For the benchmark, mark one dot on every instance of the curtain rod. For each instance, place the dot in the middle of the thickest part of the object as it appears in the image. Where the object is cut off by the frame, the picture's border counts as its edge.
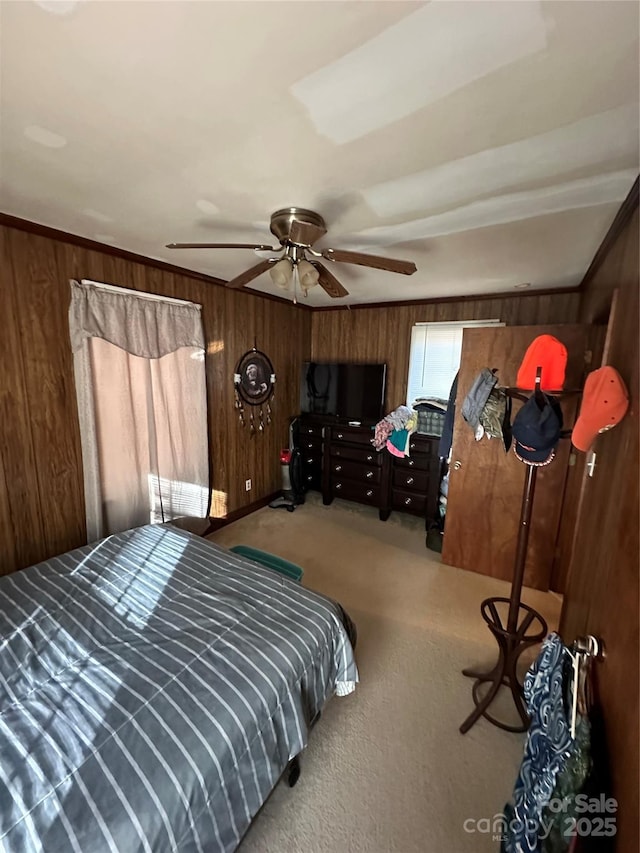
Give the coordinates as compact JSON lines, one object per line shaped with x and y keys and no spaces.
{"x":141,"y":293}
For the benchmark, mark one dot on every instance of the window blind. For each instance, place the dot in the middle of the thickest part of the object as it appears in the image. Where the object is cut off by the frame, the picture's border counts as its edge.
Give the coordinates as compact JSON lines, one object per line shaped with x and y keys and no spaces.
{"x":434,"y":357}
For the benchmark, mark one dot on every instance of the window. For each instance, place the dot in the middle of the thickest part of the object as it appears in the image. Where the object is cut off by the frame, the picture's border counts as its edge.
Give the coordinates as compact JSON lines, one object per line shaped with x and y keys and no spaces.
{"x":142,"y":404}
{"x":434,"y":357}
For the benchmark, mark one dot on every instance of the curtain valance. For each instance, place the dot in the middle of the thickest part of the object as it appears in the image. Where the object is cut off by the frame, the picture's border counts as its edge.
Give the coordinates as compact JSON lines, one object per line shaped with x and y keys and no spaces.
{"x":142,"y":326}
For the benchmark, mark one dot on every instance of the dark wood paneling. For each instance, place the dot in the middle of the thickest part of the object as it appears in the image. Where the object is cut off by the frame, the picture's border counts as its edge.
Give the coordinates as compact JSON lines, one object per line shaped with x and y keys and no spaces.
{"x":602,"y":591}
{"x":384,"y":334}
{"x":573,"y":484}
{"x":25,"y":543}
{"x":42,"y":502}
{"x":103,"y":250}
{"x":616,"y":271}
{"x":618,"y":227}
{"x":48,"y":378}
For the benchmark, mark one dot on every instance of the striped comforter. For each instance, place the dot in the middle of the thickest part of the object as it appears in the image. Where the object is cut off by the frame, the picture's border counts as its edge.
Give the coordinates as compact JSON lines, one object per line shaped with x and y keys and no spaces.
{"x":153,"y":688}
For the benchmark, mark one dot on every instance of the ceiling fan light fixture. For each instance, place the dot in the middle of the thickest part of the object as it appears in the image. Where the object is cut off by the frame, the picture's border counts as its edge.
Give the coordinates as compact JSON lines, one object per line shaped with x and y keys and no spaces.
{"x":281,"y":273}
{"x":297,"y":231}
{"x":308,"y":275}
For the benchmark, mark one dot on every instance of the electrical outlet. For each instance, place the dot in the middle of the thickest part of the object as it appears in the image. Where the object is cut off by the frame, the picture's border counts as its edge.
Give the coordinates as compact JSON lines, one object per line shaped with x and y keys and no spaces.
{"x":247,"y":485}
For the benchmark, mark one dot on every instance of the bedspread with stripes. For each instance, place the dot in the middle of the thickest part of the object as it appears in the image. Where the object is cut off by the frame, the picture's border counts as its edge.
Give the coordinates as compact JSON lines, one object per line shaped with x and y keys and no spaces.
{"x":153,"y":687}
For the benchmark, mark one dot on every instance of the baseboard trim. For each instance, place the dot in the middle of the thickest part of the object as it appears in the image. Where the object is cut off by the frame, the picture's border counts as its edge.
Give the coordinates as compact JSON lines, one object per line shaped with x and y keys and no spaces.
{"x":218,"y":523}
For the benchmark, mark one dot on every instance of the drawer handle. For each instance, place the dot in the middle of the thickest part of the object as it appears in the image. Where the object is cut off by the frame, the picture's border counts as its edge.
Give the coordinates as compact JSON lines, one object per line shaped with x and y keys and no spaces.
{"x":407,"y":501}
{"x":369,"y":474}
{"x":369,"y":492}
{"x":340,"y":435}
{"x":411,"y":463}
{"x":338,"y":485}
{"x":369,"y":458}
{"x":309,"y":446}
{"x":338,"y":468}
{"x":310,"y":460}
{"x":310,"y":430}
{"x":409,"y":481}
{"x":309,"y":477}
{"x":412,"y":445}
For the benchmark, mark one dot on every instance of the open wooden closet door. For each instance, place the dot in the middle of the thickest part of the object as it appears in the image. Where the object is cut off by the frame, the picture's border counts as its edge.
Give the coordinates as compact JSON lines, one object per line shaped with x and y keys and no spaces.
{"x":485,"y":483}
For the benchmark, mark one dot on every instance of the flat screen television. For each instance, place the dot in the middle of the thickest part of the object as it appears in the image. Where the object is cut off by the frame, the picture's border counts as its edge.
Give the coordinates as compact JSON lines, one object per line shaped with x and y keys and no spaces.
{"x":351,"y":392}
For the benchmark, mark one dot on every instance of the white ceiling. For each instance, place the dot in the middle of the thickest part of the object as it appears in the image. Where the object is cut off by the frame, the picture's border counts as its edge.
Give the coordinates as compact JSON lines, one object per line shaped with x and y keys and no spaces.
{"x":490,"y":142}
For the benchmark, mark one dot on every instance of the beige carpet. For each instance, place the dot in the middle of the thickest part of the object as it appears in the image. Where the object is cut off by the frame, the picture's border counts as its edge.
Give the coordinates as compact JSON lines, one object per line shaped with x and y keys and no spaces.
{"x":386,"y":768}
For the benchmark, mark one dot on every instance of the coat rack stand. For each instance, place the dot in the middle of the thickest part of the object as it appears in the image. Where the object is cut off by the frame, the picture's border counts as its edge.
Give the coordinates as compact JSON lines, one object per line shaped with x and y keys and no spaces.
{"x":524,"y":626}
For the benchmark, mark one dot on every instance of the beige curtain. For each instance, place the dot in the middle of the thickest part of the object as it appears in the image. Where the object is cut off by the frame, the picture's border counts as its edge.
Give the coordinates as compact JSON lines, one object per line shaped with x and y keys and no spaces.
{"x":140,"y":383}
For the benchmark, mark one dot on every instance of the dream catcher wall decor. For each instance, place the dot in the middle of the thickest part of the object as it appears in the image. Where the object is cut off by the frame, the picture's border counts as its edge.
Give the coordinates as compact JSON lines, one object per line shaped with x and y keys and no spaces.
{"x":254,"y":382}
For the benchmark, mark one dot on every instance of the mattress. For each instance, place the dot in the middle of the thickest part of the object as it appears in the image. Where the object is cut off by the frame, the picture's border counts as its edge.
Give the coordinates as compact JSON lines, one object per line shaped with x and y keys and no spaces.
{"x":153,"y":688}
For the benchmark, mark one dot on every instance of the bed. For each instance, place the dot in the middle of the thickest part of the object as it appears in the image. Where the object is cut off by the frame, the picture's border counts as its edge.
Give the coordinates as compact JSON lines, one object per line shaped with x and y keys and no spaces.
{"x":153,"y":689}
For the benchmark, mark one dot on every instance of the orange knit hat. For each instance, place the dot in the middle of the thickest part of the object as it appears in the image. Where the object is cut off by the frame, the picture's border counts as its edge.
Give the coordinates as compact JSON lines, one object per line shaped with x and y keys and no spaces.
{"x":550,"y":354}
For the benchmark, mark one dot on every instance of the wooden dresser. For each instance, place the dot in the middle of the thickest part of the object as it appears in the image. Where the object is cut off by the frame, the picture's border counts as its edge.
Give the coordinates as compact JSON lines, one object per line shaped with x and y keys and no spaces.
{"x":340,"y":461}
{"x":415,"y":480}
{"x":353,"y":470}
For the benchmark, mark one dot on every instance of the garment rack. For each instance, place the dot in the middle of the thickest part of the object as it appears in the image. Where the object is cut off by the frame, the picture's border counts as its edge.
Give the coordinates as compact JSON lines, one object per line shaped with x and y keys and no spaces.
{"x":524,"y":626}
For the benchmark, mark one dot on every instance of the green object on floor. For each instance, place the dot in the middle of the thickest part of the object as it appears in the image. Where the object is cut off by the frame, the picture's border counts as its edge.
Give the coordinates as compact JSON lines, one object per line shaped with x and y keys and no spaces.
{"x":271,"y":561}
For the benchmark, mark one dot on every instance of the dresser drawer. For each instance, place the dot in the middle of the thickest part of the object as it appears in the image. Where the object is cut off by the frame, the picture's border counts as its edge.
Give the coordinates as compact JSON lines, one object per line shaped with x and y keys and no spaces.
{"x":310,"y":445}
{"x":408,"y":501}
{"x":422,"y":445}
{"x":313,"y":479}
{"x":353,"y":491}
{"x":418,"y":461}
{"x":341,"y":468}
{"x":311,"y":457}
{"x":357,"y":454}
{"x":310,"y":429}
{"x":352,"y":435}
{"x":416,"y":480}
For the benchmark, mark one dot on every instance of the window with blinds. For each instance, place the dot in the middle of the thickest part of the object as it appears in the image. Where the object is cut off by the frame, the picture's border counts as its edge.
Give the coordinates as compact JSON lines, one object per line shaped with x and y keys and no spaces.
{"x":434,"y":357}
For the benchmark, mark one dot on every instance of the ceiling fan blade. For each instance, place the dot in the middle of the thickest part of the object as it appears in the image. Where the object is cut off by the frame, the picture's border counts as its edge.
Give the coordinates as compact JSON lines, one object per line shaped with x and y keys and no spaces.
{"x":305,"y":233}
{"x":375,"y":261}
{"x":259,"y":246}
{"x":253,"y":272}
{"x":329,"y":282}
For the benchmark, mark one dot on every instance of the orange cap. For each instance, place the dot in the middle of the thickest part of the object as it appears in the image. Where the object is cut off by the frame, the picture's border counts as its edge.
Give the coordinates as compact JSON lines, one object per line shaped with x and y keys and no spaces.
{"x":550,"y":354}
{"x":605,"y":401}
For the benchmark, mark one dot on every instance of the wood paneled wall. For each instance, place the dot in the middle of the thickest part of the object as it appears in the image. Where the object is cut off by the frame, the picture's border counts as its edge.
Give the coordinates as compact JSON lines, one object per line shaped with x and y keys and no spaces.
{"x":384,"y":334}
{"x":41,"y":492}
{"x":602,"y":593}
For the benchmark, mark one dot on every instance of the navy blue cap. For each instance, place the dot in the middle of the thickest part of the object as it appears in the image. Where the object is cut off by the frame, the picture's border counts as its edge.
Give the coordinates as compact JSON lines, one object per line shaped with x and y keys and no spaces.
{"x":536,"y":431}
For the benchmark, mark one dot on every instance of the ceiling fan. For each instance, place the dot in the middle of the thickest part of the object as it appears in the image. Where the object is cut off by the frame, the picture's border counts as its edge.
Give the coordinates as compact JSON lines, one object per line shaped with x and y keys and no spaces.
{"x":297,"y":230}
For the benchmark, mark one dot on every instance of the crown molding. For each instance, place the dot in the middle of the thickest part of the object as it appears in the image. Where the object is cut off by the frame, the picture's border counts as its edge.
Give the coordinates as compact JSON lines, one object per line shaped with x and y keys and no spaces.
{"x":504,"y":294}
{"x":623,"y":217}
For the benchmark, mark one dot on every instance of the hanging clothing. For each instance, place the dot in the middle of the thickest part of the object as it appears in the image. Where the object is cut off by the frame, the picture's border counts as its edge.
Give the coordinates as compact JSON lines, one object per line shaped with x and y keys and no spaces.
{"x":559,"y":826}
{"x":444,"y":447}
{"x":548,"y":748}
{"x":492,"y":415}
{"x":477,"y":397}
